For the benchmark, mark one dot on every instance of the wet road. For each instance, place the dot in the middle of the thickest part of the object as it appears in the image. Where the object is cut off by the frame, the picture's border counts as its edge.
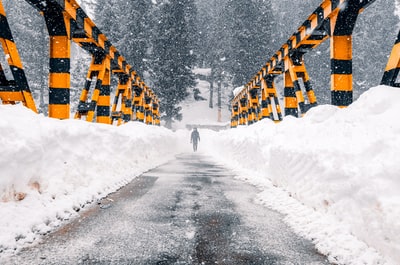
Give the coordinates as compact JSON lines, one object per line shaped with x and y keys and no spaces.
{"x":189,"y":211}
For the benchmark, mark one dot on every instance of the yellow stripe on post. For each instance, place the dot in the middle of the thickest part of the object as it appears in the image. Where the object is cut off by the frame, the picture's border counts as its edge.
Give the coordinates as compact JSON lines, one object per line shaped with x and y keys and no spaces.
{"x":341,"y":82}
{"x":341,"y":47}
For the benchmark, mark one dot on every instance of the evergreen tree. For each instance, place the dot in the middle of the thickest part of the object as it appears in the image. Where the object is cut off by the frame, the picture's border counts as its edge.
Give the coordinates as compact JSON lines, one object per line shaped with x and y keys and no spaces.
{"x":172,"y":58}
{"x":128,"y":26}
{"x":246,"y":38}
{"x":135,"y":42}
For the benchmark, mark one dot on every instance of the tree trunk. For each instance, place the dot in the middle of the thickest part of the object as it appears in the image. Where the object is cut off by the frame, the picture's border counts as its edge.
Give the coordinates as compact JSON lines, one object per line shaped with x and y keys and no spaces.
{"x":211,"y":80}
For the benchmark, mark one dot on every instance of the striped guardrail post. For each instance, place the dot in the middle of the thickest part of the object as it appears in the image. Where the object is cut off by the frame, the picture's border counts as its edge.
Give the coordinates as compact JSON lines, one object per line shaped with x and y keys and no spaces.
{"x":341,"y":54}
{"x":243,"y":113}
{"x":393,"y":66}
{"x":138,"y":100}
{"x":235,"y":115}
{"x":289,"y":66}
{"x":148,"y":112}
{"x":83,"y":105}
{"x":120,"y":99}
{"x":59,"y":28}
{"x":254,"y":104}
{"x":298,"y":70}
{"x":15,"y":90}
{"x":273,"y":96}
{"x":103,"y":103}
{"x":127,"y":102}
{"x":155,"y":110}
{"x":289,"y":93}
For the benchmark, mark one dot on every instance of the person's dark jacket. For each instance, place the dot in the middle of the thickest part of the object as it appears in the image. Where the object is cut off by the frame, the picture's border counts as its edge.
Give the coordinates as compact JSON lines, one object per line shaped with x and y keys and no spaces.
{"x":195,"y":137}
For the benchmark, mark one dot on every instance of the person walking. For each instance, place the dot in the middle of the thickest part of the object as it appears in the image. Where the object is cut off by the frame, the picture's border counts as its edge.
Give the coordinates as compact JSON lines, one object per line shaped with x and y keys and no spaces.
{"x":195,"y":138}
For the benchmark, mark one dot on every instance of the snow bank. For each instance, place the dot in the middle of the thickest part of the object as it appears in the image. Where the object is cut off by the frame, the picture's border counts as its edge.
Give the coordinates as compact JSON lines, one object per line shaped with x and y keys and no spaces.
{"x":335,"y":173}
{"x":51,"y":168}
{"x":202,"y":71}
{"x":343,"y":163}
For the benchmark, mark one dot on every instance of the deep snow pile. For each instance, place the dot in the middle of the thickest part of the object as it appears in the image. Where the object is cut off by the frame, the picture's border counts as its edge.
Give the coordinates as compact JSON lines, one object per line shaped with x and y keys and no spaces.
{"x":51,"y":168}
{"x":343,"y":163}
{"x":334,"y":173}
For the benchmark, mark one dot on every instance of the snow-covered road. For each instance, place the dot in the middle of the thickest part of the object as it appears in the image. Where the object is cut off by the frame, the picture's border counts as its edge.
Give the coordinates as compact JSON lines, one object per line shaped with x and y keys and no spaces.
{"x":188,"y":211}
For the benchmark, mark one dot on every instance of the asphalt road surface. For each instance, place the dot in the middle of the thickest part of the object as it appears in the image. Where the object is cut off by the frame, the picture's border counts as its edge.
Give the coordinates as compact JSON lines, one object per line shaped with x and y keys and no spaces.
{"x":188,"y":211}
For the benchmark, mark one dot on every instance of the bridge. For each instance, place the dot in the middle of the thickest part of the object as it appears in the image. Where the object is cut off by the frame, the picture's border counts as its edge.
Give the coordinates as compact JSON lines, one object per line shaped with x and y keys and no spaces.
{"x":66,"y":21}
{"x":134,"y":100}
{"x":333,"y":20}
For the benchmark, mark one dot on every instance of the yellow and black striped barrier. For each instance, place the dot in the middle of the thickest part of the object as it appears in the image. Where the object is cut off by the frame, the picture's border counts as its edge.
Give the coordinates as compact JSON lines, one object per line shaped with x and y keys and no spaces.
{"x":16,"y":90}
{"x":393,"y":66}
{"x":66,"y":21}
{"x":334,"y":20}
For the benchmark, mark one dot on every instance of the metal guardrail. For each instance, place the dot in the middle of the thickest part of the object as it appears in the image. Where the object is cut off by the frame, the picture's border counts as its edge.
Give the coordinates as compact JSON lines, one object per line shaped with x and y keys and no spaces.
{"x":334,"y":20}
{"x":66,"y":21}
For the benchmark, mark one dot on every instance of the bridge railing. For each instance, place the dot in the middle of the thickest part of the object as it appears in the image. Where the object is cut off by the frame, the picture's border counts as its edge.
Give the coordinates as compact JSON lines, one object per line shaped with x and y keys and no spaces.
{"x":66,"y":21}
{"x":334,"y":20}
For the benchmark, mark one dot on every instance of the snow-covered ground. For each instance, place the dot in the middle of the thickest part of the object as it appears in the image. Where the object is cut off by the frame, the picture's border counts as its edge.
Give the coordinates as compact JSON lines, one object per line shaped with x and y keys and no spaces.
{"x":49,"y":169}
{"x":335,"y":173}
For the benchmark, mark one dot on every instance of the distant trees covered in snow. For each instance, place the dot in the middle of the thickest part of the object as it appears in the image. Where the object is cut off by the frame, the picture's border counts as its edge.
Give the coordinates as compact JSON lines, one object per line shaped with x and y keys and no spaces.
{"x":235,"y":37}
{"x":127,"y":24}
{"x":173,"y":55}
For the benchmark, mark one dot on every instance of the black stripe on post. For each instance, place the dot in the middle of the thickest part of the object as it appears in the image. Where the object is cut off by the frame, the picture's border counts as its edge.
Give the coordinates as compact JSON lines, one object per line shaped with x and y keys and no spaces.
{"x":107,"y":47}
{"x":290,"y":44}
{"x":116,"y":98}
{"x":87,"y":84}
{"x":20,"y":78}
{"x":347,"y":19}
{"x":264,"y":103}
{"x":95,"y":33}
{"x":296,"y":85}
{"x":92,"y":105}
{"x":80,"y":13}
{"x":341,"y":66}
{"x":292,"y":112}
{"x":98,"y":84}
{"x":104,"y":90}
{"x":298,"y":37}
{"x":307,"y":24}
{"x":9,"y":88}
{"x":55,"y":21}
{"x":289,"y":92}
{"x":58,"y":96}
{"x":334,"y":4}
{"x":342,"y":98}
{"x":389,"y":77}
{"x":61,"y":3}
{"x":59,"y":65}
{"x":320,"y":14}
{"x":103,"y":111}
{"x":398,"y":39}
{"x":5,"y":31}
{"x":307,"y":85}
{"x":126,"y":117}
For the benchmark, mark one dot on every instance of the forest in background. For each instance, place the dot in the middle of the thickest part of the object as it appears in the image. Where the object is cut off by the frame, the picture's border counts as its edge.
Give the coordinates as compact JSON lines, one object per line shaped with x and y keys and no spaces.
{"x":164,"y":40}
